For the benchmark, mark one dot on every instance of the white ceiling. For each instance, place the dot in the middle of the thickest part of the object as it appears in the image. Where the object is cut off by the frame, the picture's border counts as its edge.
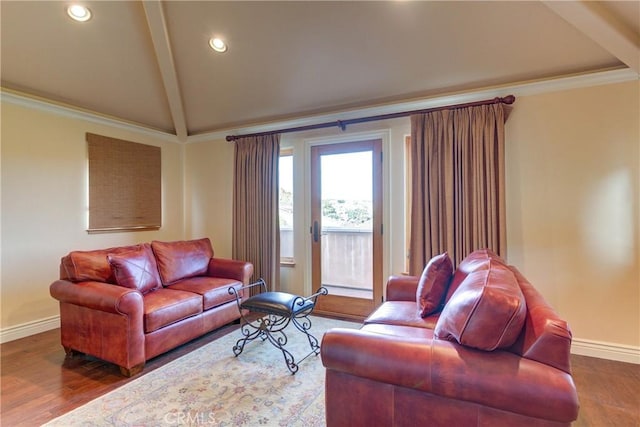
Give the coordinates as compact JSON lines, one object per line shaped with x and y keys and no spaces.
{"x":149,"y":62}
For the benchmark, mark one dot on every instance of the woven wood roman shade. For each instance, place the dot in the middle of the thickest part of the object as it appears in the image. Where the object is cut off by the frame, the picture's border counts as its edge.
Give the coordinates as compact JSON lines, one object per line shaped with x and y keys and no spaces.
{"x":124,"y":185}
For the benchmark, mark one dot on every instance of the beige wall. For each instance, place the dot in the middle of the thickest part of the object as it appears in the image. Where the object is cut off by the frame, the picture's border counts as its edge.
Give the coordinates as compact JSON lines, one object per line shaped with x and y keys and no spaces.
{"x":44,"y":204}
{"x":573,"y":195}
{"x":209,"y":193}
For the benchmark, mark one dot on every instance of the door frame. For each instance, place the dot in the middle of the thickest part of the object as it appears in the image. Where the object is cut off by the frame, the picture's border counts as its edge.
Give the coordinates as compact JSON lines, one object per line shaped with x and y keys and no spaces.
{"x":381,"y":239}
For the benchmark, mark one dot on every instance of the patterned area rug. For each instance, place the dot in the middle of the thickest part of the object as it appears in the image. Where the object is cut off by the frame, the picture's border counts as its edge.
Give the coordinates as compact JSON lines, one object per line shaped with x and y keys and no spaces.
{"x":210,"y":386}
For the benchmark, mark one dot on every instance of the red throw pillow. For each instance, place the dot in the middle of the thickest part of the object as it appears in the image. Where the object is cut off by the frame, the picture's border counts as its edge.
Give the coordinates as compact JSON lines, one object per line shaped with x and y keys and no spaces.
{"x":433,"y":283}
{"x":486,"y":312}
{"x":136,"y":269}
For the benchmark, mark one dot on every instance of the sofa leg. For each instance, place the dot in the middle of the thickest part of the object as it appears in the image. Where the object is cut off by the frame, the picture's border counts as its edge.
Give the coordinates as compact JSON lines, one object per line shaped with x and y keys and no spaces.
{"x":134,"y":370}
{"x":71,"y":352}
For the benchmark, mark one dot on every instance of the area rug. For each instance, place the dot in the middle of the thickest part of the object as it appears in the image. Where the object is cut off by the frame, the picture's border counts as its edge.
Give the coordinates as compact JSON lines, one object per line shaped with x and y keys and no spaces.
{"x":210,"y":386}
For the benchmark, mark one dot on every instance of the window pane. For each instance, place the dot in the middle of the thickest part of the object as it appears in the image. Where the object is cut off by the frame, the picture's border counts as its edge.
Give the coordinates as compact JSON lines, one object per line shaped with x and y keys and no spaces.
{"x":286,"y":206}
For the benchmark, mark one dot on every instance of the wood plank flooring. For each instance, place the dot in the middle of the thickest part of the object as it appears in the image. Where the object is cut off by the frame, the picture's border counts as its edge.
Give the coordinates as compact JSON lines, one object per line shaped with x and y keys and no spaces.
{"x":609,"y":392}
{"x":38,"y":383}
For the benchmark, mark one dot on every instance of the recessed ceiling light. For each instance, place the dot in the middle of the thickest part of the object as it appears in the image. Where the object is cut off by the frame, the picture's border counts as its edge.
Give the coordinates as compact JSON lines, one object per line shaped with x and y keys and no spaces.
{"x":218,"y":45}
{"x":79,"y":13}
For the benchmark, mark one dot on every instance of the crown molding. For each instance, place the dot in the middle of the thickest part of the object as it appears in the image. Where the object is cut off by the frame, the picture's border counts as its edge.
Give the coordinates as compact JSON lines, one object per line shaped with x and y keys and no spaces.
{"x":518,"y":89}
{"x":69,"y":111}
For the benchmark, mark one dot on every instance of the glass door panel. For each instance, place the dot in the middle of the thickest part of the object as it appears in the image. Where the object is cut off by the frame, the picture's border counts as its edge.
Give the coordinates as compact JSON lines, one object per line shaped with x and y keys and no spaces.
{"x":346,"y":250}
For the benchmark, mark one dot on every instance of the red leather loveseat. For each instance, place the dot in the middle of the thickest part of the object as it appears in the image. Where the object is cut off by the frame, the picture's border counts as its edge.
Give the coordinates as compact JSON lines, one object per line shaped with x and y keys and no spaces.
{"x":129,"y":304}
{"x":489,"y":351}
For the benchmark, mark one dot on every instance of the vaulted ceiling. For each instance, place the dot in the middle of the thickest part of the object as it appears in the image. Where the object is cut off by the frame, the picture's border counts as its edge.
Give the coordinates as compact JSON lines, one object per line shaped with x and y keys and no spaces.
{"x":150,"y":63}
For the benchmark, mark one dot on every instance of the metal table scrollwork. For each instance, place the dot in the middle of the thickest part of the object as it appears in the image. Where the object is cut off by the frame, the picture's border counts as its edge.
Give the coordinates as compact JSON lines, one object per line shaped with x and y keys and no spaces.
{"x":278,"y":309}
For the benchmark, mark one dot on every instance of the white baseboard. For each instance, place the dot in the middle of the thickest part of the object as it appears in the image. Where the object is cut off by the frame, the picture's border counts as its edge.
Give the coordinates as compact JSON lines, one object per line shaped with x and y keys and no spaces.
{"x":30,"y":328}
{"x":606,"y":350}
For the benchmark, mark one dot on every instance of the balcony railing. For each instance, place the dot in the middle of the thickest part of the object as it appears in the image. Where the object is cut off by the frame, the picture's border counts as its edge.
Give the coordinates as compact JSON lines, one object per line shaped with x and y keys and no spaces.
{"x":346,"y":256}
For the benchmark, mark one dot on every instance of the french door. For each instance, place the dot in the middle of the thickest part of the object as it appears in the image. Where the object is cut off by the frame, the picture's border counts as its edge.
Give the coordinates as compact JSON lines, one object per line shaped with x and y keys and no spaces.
{"x":346,"y":226}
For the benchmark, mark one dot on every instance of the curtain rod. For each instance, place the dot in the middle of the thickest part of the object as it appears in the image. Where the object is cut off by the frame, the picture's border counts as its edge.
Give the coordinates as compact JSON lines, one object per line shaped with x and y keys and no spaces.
{"x":342,"y":124}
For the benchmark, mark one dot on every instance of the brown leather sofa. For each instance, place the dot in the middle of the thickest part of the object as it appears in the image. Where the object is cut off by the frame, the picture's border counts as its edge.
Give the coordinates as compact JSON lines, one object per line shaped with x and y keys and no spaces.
{"x":491,"y":352}
{"x":128,"y":304}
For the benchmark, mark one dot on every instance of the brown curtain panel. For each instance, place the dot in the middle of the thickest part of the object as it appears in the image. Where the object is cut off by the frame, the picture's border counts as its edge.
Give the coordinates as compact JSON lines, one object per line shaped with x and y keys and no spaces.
{"x":256,"y":229}
{"x":458,"y":184}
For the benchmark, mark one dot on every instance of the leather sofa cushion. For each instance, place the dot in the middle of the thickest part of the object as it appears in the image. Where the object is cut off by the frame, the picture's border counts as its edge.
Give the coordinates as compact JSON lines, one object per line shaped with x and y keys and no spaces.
{"x":476,"y":260}
{"x":85,"y":266}
{"x":486,"y":312}
{"x":214,"y":290}
{"x":163,"y":307}
{"x":136,"y":269}
{"x":399,"y":331}
{"x":182,"y":259}
{"x":433,"y":284}
{"x":401,"y":313}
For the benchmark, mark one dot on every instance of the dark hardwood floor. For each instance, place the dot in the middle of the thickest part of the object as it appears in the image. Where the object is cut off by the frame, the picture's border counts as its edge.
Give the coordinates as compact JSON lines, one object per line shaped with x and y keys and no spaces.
{"x":39,"y":383}
{"x":609,"y":392}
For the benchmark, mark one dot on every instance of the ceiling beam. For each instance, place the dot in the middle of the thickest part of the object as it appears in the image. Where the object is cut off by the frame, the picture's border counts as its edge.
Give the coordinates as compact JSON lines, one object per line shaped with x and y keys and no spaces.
{"x":162,"y":46}
{"x":595,"y":21}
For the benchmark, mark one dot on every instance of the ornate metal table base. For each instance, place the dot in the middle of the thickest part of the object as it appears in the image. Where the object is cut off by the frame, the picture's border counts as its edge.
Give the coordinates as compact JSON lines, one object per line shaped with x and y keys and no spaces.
{"x":279,"y":309}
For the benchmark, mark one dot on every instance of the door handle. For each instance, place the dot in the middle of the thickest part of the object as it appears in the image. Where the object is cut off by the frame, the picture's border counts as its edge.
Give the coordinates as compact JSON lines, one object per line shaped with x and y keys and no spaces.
{"x":315,"y":231}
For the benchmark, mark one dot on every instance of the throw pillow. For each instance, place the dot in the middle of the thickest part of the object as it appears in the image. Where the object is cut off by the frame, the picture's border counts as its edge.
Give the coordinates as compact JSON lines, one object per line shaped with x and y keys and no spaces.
{"x":182,"y":259}
{"x":487,"y":311}
{"x":136,"y":269}
{"x":433,"y":283}
{"x":476,"y":260}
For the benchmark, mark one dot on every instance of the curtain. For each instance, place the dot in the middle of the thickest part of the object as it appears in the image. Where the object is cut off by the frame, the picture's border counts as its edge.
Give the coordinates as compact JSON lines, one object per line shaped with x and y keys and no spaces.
{"x":457,"y":176}
{"x":256,"y":229}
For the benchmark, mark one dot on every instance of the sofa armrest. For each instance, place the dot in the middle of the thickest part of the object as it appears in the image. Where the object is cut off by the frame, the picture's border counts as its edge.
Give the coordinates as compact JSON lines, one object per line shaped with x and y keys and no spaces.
{"x":498,"y":379}
{"x":546,"y":337}
{"x":402,"y":288}
{"x":231,"y":269}
{"x":98,"y":296}
{"x":103,"y":320}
